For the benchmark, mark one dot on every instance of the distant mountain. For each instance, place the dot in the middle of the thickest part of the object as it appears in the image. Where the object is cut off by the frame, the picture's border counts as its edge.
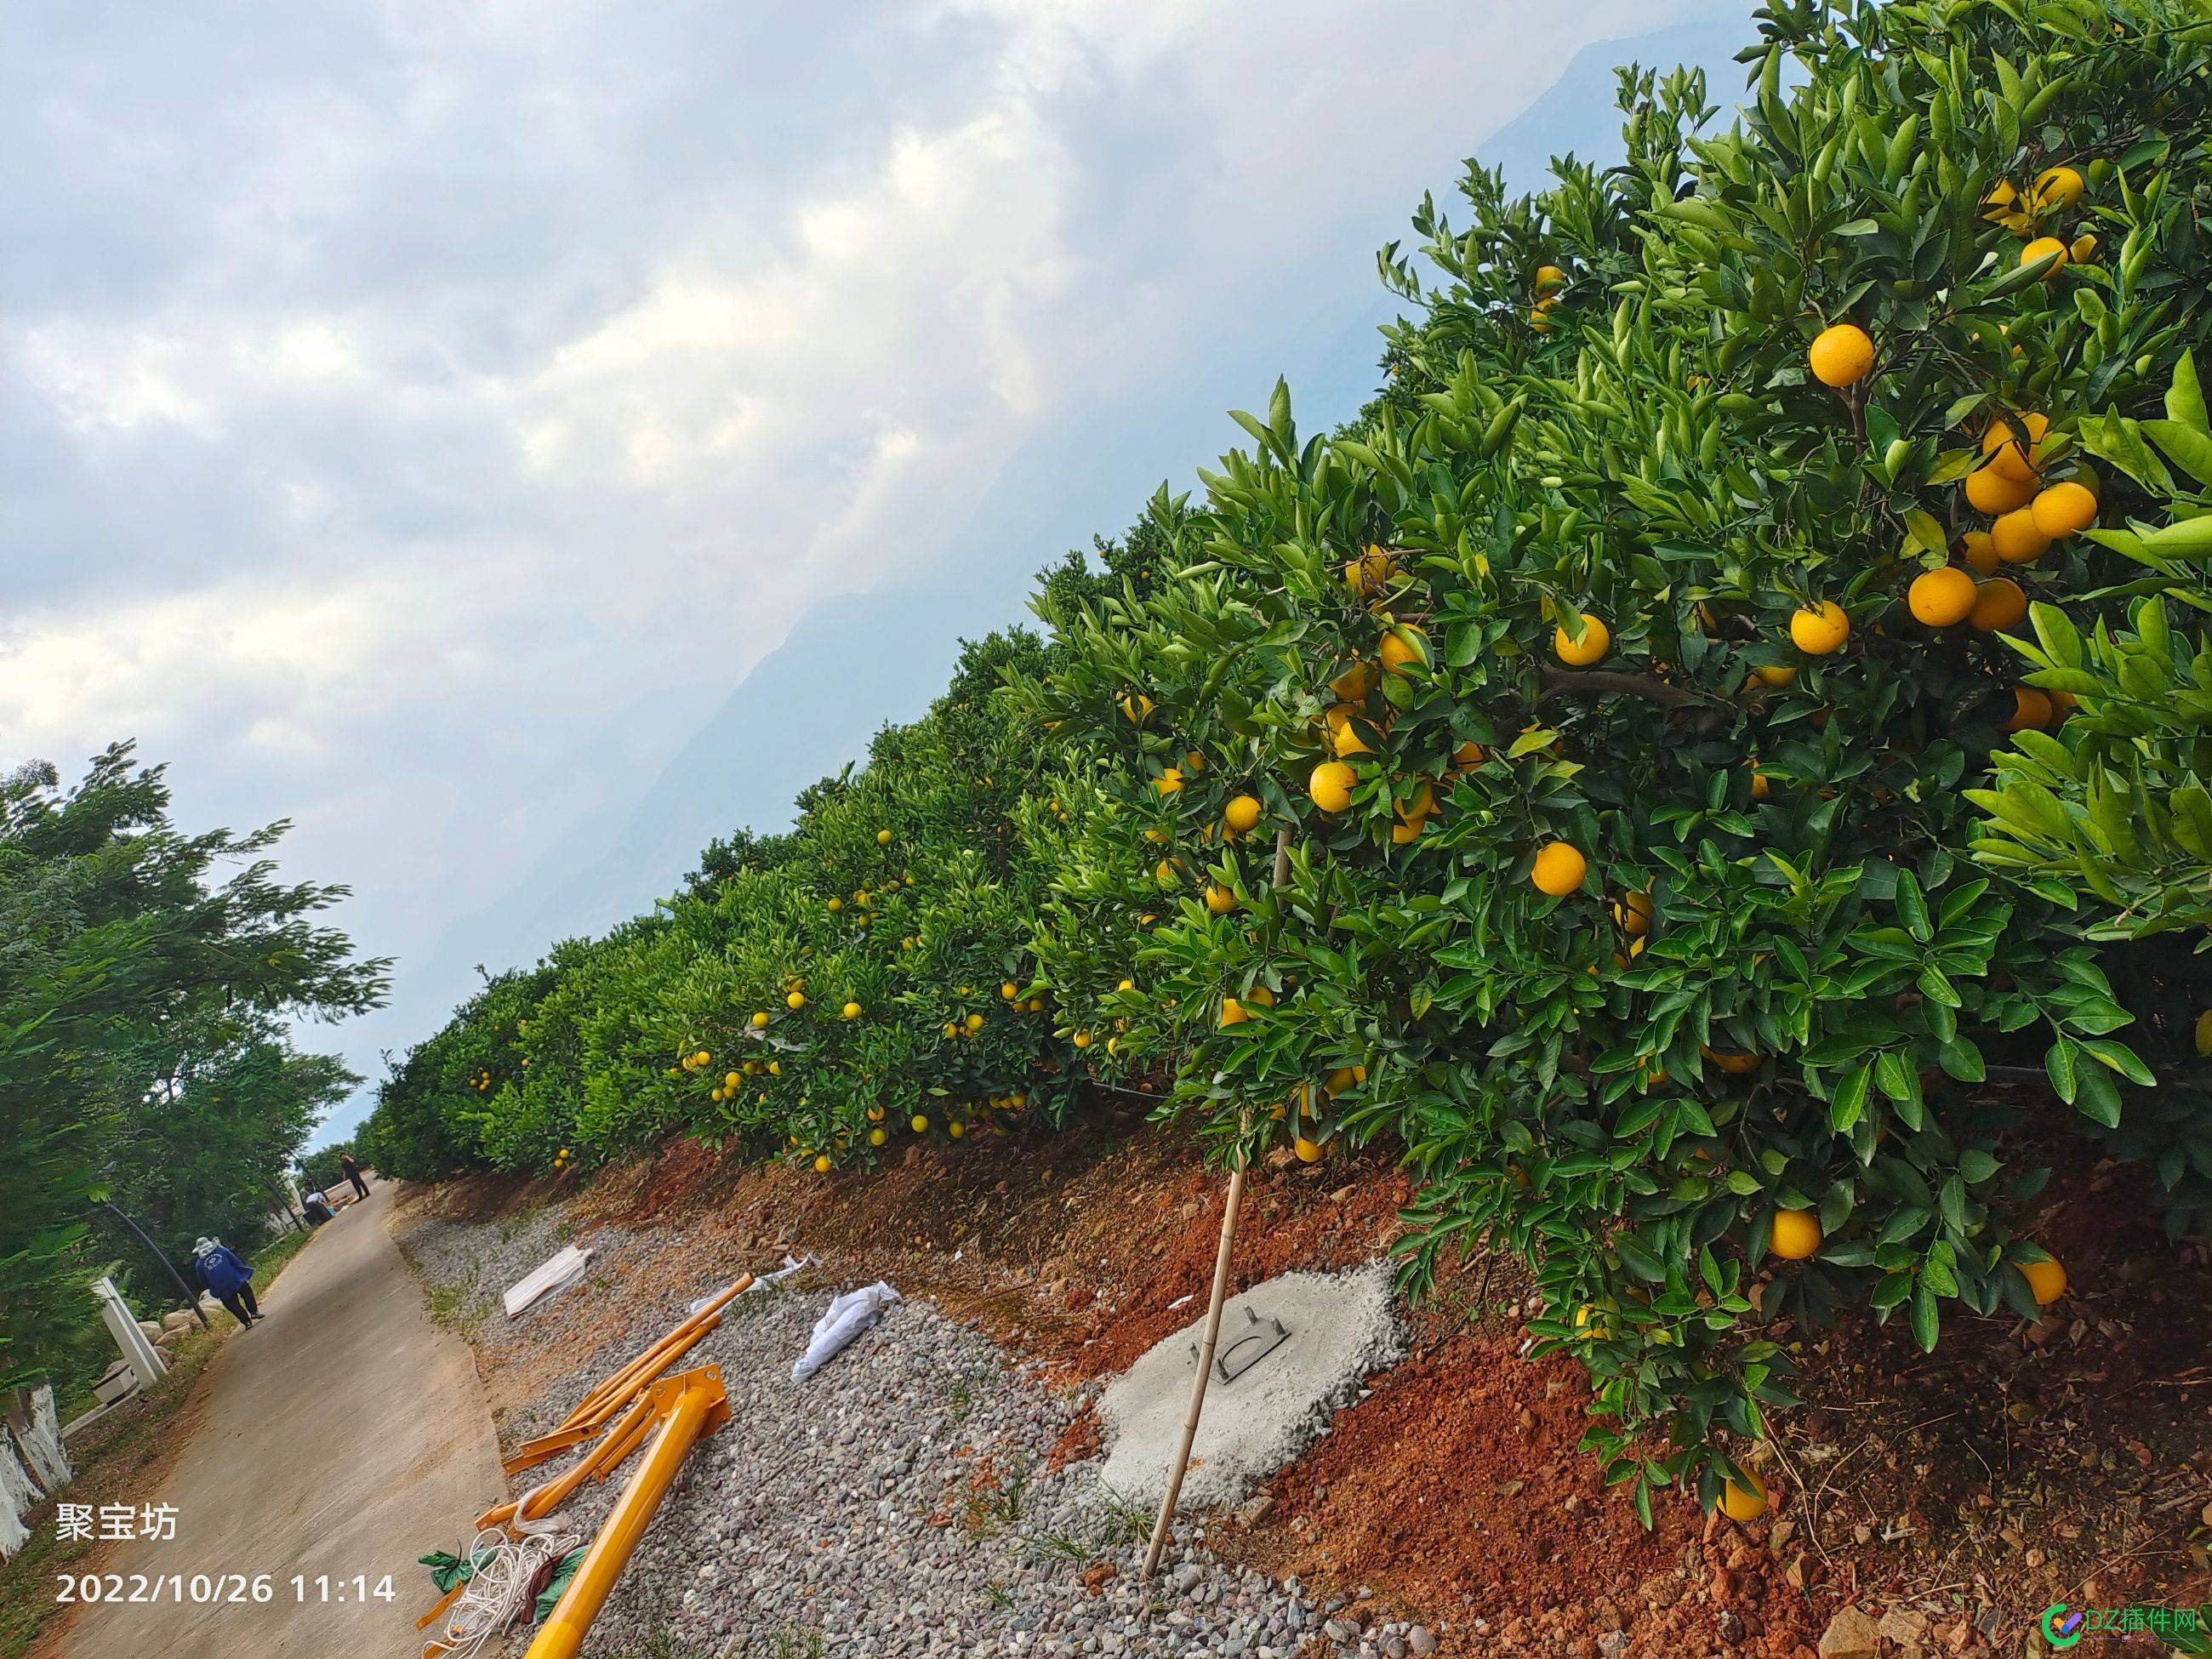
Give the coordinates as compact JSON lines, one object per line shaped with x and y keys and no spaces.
{"x":806,"y":708}
{"x":854,"y":662}
{"x":1578,"y":113}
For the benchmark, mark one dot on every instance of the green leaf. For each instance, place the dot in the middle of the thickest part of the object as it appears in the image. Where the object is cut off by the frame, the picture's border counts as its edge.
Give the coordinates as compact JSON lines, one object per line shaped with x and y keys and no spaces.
{"x":1959,"y":409}
{"x":1695,"y":210}
{"x":2020,"y":277}
{"x":1962,"y":1060}
{"x":1952,"y":465}
{"x":1639,"y":1261}
{"x":2058,"y":1063}
{"x":2186,"y":447}
{"x":2184,"y":398}
{"x":1894,"y":1073}
{"x":2121,"y":1058}
{"x":1936,"y":1272}
{"x":1951,"y":1201}
{"x":2099,"y":1099}
{"x":1849,"y":1098}
{"x":1938,"y":989}
{"x":1529,"y":742}
{"x":1925,"y":1323}
{"x":1923,"y":530}
{"x":2185,"y":538}
{"x":1912,"y":908}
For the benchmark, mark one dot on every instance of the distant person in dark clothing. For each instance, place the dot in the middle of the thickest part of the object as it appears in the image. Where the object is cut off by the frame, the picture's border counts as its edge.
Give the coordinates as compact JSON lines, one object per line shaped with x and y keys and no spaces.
{"x":353,"y":1174}
{"x":220,"y":1270}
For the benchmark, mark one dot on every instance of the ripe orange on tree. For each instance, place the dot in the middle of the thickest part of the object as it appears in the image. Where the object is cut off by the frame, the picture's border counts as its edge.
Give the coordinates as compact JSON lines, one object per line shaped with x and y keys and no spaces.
{"x":1841,"y":355}
{"x":1559,"y":869}
{"x":1796,"y":1234}
{"x":1999,"y":603}
{"x":2046,"y":1280}
{"x":2015,"y":455}
{"x":1597,"y":640}
{"x":2017,"y":537}
{"x":2032,"y":708}
{"x":2064,"y":509}
{"x":1330,"y":787}
{"x":1940,"y":598}
{"x":1820,"y":630}
{"x":2045,"y":247}
{"x":1744,"y":1503}
{"x":1403,"y":649}
{"x":1991,"y":489}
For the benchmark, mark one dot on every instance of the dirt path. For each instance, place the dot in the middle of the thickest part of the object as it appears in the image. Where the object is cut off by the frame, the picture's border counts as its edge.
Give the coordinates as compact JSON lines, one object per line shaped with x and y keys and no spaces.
{"x":346,"y":1435}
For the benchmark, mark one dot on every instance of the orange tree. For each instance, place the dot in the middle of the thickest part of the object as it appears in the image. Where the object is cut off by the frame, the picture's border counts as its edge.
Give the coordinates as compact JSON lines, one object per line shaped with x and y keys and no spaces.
{"x":2109,"y":815}
{"x":1620,"y":682}
{"x":822,"y":994}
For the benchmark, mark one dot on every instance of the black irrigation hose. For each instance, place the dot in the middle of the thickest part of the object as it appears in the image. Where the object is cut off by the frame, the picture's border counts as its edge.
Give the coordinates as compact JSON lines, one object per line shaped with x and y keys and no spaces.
{"x":191,"y":1297}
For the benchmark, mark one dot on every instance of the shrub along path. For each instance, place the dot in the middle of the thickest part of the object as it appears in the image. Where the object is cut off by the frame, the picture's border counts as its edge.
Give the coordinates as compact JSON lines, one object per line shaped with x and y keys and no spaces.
{"x":345,"y":1437}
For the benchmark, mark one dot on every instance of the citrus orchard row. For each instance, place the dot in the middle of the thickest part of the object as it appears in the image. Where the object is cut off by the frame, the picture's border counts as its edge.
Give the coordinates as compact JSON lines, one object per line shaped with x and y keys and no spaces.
{"x":1656,"y":768}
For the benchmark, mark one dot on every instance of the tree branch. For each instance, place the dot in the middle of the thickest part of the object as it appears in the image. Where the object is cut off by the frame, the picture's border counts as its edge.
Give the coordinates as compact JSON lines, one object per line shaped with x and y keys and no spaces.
{"x":1599,"y":681}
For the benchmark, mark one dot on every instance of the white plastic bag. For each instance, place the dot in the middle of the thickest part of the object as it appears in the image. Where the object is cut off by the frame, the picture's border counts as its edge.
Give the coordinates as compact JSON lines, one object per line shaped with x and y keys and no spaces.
{"x":844,"y":1319}
{"x":557,"y":1272}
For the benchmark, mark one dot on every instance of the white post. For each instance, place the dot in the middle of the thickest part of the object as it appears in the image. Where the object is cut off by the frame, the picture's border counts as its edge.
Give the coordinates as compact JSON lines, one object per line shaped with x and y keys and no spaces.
{"x":38,"y":1432}
{"x":32,"y":1461}
{"x":19,"y":1496}
{"x":145,"y":1364}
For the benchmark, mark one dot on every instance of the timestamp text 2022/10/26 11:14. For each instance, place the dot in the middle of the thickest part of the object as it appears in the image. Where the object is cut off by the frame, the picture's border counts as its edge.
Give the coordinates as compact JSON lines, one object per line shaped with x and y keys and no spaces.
{"x":204,"y":1588}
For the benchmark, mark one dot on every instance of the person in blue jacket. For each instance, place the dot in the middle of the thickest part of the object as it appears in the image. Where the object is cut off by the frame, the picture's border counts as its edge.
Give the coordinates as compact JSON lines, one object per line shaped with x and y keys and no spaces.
{"x":220,"y":1270}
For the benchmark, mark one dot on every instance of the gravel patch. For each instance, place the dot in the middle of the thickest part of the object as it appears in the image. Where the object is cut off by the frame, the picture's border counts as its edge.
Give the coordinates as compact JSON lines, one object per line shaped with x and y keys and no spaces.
{"x":467,"y":1267}
{"x":901,"y":1503}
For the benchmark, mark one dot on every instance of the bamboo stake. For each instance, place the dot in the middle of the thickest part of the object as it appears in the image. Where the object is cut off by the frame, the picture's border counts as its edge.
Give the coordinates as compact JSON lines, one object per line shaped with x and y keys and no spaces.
{"x":1205,"y":1369}
{"x":1220,"y":1294}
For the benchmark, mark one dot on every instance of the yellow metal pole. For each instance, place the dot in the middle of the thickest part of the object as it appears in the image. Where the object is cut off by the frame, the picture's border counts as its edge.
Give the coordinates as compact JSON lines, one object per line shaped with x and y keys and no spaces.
{"x":696,"y":1408}
{"x":638,"y":1375}
{"x":596,"y":1464}
{"x":626,"y":1380}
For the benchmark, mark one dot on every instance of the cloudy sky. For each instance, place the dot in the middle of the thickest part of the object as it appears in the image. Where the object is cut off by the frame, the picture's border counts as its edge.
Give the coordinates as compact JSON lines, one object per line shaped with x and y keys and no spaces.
{"x":416,"y":416}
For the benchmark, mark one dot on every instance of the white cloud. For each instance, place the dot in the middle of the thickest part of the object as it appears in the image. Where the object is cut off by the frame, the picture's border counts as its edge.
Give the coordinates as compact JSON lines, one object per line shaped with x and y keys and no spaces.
{"x":315,"y":351}
{"x":103,"y":381}
{"x":944,"y":259}
{"x":422,"y":390}
{"x":163,"y":667}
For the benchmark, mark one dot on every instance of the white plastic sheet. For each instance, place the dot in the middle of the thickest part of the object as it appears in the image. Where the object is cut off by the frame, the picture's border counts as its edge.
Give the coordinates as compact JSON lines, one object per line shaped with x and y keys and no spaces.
{"x":547,"y":1277}
{"x":843,"y":1321}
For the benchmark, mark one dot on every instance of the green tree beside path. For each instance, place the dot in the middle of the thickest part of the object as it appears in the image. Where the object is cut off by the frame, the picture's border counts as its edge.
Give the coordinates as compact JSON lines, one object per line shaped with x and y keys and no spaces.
{"x":146,"y":977}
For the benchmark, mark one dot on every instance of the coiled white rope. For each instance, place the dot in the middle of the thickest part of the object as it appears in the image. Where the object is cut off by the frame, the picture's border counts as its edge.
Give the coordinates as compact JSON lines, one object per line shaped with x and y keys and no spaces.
{"x":505,"y":1569}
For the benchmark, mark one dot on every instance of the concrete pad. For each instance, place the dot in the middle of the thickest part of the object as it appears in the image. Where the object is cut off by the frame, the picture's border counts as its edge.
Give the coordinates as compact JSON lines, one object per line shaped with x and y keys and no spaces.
{"x":1343,"y":1329}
